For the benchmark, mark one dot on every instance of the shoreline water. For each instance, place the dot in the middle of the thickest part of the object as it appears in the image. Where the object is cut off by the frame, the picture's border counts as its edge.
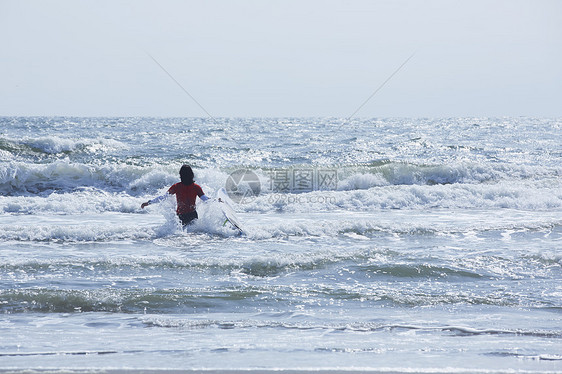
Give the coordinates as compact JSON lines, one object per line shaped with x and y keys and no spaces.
{"x":435,"y":250}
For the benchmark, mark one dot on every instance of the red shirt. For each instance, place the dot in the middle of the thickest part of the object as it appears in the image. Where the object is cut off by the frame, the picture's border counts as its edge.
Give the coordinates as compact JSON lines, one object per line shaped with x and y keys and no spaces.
{"x":185,"y":196}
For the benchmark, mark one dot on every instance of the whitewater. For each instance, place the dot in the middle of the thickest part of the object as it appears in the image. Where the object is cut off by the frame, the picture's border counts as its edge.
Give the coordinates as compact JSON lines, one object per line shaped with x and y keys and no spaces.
{"x":383,"y":245}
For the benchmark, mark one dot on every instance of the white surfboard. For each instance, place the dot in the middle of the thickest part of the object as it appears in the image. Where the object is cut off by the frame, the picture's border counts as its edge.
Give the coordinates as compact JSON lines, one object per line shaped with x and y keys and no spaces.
{"x":228,"y":211}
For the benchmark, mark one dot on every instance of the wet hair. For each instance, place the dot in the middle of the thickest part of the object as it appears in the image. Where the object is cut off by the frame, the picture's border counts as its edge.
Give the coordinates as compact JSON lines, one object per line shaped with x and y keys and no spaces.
{"x":186,"y":175}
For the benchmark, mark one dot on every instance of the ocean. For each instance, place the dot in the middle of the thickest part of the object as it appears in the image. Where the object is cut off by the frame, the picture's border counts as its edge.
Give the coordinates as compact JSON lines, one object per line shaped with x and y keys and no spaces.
{"x":382,"y":245}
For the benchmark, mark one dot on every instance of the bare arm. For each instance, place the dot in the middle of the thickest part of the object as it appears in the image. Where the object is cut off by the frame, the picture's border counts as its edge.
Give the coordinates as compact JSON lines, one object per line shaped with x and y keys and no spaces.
{"x":154,"y":201}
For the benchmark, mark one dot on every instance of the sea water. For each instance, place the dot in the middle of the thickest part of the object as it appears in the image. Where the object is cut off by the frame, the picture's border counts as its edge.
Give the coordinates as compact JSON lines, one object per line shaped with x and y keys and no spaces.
{"x":403,"y":245}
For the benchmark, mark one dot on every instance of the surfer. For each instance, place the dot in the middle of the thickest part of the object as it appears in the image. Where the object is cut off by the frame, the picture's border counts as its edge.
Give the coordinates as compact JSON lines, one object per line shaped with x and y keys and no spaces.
{"x":186,"y":192}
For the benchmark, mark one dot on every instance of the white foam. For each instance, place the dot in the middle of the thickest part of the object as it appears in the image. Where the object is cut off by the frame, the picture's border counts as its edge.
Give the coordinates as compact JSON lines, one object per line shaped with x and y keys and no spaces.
{"x":79,"y":231}
{"x":362,"y":181}
{"x":56,"y":144}
{"x":523,"y":195}
{"x":63,"y":175}
{"x":526,"y":195}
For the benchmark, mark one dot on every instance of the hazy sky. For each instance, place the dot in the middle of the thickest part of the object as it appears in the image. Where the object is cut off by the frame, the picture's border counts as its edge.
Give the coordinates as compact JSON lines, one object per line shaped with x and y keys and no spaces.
{"x":281,"y":58}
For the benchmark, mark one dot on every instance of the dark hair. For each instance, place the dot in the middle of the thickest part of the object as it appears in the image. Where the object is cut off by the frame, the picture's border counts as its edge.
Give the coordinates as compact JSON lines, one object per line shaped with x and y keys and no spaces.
{"x":186,"y":175}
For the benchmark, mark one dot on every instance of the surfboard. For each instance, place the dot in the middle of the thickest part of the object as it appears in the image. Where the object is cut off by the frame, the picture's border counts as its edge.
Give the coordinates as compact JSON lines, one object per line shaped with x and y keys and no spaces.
{"x":228,"y":211}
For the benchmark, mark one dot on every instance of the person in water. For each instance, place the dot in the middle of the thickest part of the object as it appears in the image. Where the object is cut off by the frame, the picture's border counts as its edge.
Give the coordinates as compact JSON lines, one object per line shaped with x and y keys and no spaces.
{"x":186,"y":193}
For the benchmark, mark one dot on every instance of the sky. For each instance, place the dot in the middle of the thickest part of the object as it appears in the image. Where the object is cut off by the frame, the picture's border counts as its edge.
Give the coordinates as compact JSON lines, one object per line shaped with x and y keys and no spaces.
{"x":273,"y":58}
